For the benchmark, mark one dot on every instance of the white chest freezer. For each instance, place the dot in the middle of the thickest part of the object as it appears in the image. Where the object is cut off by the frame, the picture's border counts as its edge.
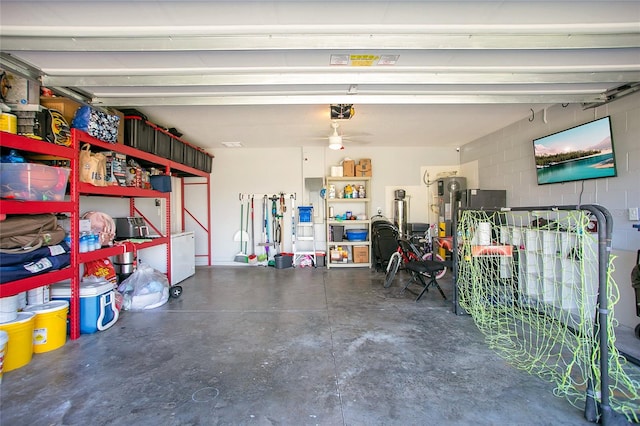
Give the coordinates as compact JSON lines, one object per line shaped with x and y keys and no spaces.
{"x":183,"y":257}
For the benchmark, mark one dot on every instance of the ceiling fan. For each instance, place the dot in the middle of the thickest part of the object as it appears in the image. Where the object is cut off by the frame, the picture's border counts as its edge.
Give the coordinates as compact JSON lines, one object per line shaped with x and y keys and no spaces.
{"x":336,"y":139}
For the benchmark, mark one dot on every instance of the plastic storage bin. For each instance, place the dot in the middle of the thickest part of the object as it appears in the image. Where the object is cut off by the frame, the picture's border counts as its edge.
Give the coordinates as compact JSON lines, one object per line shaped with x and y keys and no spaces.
{"x":357,"y":234}
{"x":283,"y":260}
{"x":33,"y":182}
{"x":304,"y":213}
{"x":139,"y":133}
{"x":162,"y":146}
{"x":204,"y":162}
{"x":177,"y":150}
{"x":97,"y":304}
{"x":161,"y":183}
{"x":189,"y":156}
{"x":337,"y":232}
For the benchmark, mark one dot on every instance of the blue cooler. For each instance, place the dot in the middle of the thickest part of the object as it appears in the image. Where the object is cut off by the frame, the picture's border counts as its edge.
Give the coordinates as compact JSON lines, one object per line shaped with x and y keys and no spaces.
{"x":97,"y":304}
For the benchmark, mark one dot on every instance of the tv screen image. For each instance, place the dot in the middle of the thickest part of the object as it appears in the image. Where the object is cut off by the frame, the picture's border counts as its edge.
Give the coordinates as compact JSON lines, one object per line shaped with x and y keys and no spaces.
{"x":579,"y":153}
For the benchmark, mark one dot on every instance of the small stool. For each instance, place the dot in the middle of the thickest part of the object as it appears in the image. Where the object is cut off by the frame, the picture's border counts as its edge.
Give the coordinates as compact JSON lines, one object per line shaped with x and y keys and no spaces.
{"x":424,"y":268}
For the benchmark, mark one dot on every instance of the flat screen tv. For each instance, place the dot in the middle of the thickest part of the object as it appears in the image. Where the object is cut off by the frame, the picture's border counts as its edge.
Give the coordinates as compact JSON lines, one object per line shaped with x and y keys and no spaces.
{"x":579,"y":153}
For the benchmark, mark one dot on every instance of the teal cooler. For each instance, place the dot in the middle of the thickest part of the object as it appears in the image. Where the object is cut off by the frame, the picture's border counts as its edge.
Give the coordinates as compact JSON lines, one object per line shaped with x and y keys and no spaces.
{"x":97,"y":304}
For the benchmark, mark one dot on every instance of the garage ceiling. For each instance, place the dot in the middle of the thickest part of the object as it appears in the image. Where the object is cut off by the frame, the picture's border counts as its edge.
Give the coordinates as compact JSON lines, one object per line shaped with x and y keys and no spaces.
{"x":264,"y":73}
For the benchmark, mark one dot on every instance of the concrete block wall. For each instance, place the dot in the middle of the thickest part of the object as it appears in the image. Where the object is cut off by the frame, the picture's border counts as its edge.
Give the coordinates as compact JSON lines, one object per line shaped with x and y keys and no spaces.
{"x":505,"y":160}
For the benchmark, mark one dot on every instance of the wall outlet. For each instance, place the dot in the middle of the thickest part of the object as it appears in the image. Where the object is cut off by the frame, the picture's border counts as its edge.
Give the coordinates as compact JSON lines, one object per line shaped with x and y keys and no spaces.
{"x":633,"y":213}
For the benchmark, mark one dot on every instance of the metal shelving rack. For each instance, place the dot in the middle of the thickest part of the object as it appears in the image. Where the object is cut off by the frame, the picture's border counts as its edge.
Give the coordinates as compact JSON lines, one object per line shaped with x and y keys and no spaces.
{"x":71,"y":206}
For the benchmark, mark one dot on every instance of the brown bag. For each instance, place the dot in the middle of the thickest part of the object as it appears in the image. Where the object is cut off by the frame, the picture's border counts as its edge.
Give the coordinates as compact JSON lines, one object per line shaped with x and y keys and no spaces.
{"x":93,"y":167}
{"x":24,"y":233}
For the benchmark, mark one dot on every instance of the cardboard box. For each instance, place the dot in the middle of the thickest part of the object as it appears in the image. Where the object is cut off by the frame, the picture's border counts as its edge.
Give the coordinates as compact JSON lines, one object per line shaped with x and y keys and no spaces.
{"x":365,"y":163}
{"x":66,"y":107}
{"x":360,"y":254}
{"x":22,"y":94}
{"x":362,"y":171}
{"x":116,"y":168}
{"x":349,"y":168}
{"x":120,"y":125}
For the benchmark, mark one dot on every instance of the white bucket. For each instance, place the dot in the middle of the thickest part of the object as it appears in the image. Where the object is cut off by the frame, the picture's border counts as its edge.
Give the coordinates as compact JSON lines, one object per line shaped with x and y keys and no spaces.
{"x":38,"y":296}
{"x":484,"y":234}
{"x":22,"y":300}
{"x":8,"y":308}
{"x":4,"y":338}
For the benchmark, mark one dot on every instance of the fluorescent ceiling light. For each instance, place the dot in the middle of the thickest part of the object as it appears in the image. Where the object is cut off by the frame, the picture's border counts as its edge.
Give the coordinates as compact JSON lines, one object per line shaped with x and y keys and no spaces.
{"x":232,"y":144}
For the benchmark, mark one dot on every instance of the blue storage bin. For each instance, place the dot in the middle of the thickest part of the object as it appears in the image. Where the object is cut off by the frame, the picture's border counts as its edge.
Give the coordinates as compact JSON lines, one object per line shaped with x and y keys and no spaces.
{"x":304,"y":213}
{"x":161,"y":183}
{"x":97,"y":304}
{"x":357,"y":234}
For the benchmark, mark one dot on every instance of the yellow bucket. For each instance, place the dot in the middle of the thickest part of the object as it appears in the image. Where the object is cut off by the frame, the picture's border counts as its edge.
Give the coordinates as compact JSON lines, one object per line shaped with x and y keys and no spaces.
{"x":50,"y":327}
{"x":4,"y":338}
{"x":20,"y":345}
{"x":8,"y":123}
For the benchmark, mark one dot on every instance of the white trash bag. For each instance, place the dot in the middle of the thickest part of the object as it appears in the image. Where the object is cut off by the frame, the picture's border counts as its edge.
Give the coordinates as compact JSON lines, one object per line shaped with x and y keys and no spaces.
{"x":145,"y":288}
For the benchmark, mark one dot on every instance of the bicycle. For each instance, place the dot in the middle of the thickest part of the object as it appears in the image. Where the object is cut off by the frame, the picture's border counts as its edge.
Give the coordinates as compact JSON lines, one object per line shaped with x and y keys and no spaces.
{"x":408,"y":251}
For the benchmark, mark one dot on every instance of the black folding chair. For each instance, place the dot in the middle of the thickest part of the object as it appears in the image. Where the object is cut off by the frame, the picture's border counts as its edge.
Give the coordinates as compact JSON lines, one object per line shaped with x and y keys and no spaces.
{"x":421,"y":269}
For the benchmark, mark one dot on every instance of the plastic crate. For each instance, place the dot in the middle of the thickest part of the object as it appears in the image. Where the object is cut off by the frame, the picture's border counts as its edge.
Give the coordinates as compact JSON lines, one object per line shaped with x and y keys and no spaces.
{"x":203,"y":161}
{"x":162,"y":147}
{"x":177,"y":150}
{"x":139,"y":134}
{"x":189,"y":156}
{"x":304,"y":213}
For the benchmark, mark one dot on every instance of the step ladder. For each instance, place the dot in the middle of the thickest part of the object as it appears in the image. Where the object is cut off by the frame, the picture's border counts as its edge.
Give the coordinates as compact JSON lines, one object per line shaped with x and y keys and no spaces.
{"x":305,"y":236}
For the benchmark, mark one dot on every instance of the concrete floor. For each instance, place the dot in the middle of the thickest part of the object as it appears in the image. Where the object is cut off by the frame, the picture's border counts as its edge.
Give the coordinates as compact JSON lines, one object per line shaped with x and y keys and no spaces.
{"x":264,"y":346}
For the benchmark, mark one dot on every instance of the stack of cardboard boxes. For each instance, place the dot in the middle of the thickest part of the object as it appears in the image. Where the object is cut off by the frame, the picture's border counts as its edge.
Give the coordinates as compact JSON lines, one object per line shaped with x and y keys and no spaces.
{"x":362,"y":169}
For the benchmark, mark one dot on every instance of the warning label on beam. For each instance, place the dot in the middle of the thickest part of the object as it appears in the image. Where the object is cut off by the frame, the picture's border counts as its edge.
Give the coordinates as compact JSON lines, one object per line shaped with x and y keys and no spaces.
{"x":363,"y":60}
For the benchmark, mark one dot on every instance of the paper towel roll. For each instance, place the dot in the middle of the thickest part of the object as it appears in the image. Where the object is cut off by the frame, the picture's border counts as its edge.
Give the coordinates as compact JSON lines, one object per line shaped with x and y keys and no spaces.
{"x":484,"y":233}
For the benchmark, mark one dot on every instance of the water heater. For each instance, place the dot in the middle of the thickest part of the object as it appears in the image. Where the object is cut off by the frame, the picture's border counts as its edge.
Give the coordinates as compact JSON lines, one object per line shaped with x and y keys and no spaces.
{"x":400,"y":206}
{"x":450,"y":192}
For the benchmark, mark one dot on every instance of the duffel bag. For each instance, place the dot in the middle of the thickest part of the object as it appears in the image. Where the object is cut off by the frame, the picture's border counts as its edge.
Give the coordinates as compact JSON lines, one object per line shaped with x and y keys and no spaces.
{"x":22,"y":233}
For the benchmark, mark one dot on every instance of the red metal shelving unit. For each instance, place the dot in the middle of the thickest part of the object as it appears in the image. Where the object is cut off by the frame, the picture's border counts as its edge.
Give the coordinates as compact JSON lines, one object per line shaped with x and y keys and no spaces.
{"x":71,"y":206}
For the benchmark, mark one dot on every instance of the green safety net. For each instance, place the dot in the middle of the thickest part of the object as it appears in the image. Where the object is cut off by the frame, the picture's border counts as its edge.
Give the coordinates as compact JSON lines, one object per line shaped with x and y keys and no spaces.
{"x":530,"y":281}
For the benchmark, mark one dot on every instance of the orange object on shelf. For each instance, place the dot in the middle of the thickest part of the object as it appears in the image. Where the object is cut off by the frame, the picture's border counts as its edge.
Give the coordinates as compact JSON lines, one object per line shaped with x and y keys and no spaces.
{"x":445,"y":243}
{"x":492,"y":251}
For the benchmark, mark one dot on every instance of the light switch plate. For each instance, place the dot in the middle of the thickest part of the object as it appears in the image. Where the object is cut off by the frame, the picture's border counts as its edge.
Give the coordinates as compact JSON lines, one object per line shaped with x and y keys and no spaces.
{"x":633,"y":213}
